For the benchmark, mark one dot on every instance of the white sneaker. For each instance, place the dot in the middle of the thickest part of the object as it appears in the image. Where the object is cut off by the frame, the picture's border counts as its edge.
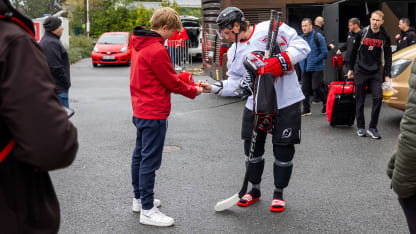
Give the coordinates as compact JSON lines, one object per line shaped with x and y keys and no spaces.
{"x":137,"y":204}
{"x":155,"y":218}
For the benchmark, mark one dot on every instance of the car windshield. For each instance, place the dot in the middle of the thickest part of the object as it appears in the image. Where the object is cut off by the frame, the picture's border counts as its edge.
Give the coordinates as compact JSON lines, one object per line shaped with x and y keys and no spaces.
{"x":112,"y":39}
{"x":190,"y":23}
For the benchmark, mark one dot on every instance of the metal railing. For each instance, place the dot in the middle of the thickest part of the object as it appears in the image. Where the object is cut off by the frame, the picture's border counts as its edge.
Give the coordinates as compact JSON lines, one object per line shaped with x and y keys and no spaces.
{"x":179,"y":54}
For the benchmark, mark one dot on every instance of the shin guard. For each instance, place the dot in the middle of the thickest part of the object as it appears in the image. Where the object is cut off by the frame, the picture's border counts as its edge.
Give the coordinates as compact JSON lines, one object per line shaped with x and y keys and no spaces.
{"x":283,"y":164}
{"x":256,"y":170}
{"x":282,"y":172}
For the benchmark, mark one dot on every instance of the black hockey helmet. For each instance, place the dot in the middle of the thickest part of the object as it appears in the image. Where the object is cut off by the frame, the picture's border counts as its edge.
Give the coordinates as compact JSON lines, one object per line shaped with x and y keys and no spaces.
{"x":228,"y":16}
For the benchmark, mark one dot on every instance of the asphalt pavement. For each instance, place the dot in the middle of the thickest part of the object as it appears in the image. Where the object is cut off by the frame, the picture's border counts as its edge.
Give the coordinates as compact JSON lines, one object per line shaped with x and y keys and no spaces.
{"x":338,"y":185}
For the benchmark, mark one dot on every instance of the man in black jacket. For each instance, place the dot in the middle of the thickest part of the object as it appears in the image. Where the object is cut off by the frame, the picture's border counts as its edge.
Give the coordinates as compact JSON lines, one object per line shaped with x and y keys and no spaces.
{"x":407,"y":35}
{"x":57,"y":57}
{"x":318,"y":27}
{"x":370,"y":52}
{"x":354,"y":28}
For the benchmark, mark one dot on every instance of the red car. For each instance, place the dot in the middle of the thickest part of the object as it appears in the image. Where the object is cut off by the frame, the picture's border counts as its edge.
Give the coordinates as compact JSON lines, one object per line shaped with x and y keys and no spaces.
{"x":112,"y":48}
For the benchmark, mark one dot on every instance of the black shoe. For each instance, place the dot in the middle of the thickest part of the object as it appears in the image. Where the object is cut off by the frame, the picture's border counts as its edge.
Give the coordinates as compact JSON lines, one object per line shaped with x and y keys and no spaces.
{"x":306,"y":113}
{"x":373,"y":133}
{"x":323,"y":110}
{"x":361,"y":132}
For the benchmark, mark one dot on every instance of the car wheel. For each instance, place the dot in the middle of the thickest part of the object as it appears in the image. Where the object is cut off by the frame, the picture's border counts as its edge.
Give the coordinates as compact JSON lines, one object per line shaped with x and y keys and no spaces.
{"x":94,"y":65}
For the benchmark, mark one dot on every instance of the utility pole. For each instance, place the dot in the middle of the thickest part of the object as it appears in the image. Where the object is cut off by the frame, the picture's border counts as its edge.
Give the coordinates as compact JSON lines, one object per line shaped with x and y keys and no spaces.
{"x":85,"y":17}
{"x":88,"y":19}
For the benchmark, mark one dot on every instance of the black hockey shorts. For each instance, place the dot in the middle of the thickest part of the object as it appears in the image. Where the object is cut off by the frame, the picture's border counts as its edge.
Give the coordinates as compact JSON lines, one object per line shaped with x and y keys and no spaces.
{"x":286,"y":126}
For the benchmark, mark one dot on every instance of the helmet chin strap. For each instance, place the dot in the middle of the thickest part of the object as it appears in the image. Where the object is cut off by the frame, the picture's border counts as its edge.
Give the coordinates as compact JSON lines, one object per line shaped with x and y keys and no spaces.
{"x":236,"y":43}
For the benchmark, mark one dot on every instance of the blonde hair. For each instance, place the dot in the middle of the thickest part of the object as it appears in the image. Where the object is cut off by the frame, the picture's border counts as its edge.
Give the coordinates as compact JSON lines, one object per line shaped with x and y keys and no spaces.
{"x":166,"y":16}
{"x":380,"y":13}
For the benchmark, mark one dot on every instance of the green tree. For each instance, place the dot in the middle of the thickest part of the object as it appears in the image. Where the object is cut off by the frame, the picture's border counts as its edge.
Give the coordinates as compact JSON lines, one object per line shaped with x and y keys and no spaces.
{"x":34,"y":8}
{"x":196,"y":12}
{"x":173,"y":5}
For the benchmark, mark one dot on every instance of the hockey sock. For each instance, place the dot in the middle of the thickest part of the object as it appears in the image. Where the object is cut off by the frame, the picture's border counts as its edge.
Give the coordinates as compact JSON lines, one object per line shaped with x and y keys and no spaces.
{"x":256,"y":186}
{"x":278,"y":194}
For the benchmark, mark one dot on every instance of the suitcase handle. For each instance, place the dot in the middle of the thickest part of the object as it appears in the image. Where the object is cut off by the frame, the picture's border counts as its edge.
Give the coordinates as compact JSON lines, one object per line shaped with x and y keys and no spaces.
{"x":343,"y":86}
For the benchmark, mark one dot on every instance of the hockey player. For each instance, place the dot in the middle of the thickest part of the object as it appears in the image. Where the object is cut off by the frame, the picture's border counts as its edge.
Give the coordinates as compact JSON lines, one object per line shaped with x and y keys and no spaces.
{"x":286,"y":129}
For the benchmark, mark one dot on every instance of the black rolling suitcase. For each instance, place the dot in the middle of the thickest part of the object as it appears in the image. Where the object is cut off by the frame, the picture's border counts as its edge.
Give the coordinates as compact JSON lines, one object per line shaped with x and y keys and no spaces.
{"x":341,"y":103}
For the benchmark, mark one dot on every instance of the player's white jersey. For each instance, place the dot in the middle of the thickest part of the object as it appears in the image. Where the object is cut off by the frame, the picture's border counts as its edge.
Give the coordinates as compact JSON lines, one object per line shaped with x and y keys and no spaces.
{"x":288,"y":90}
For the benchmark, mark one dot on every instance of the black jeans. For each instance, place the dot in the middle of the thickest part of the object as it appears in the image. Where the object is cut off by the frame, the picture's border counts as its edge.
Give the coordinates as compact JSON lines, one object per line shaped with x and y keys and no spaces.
{"x":373,"y":81}
{"x":311,"y":82}
{"x":409,"y":208}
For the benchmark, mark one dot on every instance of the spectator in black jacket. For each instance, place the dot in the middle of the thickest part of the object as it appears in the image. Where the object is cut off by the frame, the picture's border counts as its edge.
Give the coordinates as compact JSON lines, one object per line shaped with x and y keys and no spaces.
{"x":354,"y":28}
{"x":57,"y":57}
{"x":407,"y":35}
{"x":371,"y":43}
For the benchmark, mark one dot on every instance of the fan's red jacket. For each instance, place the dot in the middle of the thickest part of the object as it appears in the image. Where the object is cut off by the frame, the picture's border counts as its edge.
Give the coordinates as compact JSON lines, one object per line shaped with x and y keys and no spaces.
{"x":152,"y":78}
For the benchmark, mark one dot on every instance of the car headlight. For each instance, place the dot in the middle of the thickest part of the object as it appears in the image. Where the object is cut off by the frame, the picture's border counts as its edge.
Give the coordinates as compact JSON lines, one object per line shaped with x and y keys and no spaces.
{"x":124,"y":49}
{"x":398,"y":66}
{"x":96,"y":49}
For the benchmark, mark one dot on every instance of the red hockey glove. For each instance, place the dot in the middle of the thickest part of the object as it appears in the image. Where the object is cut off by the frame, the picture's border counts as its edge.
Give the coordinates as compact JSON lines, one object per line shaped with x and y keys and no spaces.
{"x":340,"y":61}
{"x":276,"y":65}
{"x":337,"y":61}
{"x":187,"y":78}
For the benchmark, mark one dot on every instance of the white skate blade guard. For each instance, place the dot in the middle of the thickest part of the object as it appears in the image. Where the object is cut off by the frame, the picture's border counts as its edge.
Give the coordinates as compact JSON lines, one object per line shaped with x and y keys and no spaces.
{"x":227,"y":203}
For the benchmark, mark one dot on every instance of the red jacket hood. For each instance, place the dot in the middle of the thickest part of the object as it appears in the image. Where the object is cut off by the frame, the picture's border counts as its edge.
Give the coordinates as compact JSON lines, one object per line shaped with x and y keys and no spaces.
{"x":144,"y":37}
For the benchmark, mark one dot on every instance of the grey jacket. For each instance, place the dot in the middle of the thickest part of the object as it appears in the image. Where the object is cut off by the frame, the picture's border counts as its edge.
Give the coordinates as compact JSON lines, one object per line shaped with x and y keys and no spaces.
{"x":402,"y":166}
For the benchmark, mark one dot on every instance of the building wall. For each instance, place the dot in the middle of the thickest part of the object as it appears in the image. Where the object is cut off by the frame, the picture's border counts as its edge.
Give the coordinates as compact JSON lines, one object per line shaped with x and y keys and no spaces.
{"x":269,"y":4}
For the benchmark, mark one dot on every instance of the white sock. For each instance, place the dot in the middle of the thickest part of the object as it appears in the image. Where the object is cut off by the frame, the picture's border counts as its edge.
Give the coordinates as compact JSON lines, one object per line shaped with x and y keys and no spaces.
{"x":145,"y":212}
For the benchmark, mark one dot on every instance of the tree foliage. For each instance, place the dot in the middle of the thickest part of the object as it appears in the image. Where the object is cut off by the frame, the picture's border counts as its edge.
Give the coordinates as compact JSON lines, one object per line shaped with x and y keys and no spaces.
{"x":118,"y":15}
{"x":34,"y":8}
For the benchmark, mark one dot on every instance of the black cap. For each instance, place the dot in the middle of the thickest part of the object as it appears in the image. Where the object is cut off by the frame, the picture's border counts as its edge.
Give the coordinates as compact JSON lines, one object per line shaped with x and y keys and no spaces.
{"x":51,"y":23}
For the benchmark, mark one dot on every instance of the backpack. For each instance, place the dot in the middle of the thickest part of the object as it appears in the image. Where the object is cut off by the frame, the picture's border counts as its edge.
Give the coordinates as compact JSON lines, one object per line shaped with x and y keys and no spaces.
{"x":315,"y":38}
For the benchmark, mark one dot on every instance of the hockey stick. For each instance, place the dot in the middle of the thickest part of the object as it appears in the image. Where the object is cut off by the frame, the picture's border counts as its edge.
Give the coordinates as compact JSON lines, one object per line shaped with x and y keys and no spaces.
{"x":231,"y":201}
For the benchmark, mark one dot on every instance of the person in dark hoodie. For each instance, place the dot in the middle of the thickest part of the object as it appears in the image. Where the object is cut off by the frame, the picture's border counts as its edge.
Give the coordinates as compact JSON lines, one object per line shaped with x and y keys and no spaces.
{"x":407,"y":35}
{"x":57,"y":56}
{"x":35,"y":134}
{"x":152,"y":80}
{"x":370,"y":52}
{"x":353,"y":29}
{"x":318,"y":27}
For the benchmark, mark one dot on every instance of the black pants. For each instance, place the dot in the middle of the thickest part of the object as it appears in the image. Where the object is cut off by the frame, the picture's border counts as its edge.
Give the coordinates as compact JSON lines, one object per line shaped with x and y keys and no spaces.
{"x":409,"y":208}
{"x":286,"y":132}
{"x":373,"y":81}
{"x":311,"y":83}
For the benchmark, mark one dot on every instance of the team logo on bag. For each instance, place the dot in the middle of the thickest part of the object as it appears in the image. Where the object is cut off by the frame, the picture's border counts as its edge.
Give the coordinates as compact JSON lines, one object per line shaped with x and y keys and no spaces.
{"x":287,"y":133}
